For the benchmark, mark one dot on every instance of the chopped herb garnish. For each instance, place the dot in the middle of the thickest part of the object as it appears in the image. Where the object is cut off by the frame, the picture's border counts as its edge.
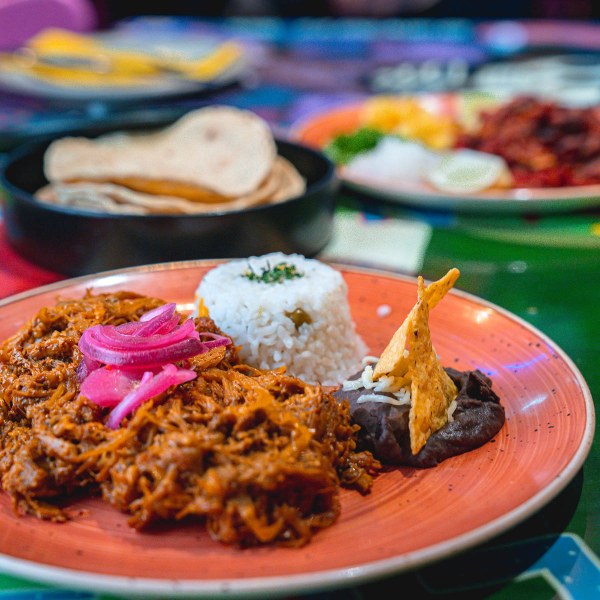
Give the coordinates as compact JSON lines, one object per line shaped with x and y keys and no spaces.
{"x":280,"y":272}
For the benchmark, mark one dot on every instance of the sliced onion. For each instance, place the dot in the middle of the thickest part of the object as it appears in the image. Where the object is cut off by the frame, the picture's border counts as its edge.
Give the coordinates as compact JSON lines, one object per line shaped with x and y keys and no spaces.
{"x":217,"y":340}
{"x":146,"y":329}
{"x":146,"y":357}
{"x":103,"y":343}
{"x":149,"y":387}
{"x":121,"y":364}
{"x":159,"y":320}
{"x":109,"y":385}
{"x":86,"y":366}
{"x":159,"y":326}
{"x":108,"y":336}
{"x":164,"y":311}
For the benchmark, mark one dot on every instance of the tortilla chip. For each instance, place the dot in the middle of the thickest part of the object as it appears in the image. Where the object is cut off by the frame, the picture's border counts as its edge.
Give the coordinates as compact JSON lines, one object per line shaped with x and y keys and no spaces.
{"x":394,"y":360}
{"x":410,"y":356}
{"x":431,"y":388}
{"x":438,"y":289}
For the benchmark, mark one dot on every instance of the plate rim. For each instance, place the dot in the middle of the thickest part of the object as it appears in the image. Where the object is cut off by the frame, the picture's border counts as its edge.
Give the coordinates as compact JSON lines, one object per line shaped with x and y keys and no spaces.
{"x":316,"y":580}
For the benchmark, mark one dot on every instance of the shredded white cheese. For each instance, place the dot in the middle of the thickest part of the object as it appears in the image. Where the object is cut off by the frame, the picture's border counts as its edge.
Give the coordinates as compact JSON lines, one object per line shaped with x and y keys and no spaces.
{"x":369,"y":360}
{"x":451,"y":408}
{"x":388,"y":384}
{"x":385,"y":399}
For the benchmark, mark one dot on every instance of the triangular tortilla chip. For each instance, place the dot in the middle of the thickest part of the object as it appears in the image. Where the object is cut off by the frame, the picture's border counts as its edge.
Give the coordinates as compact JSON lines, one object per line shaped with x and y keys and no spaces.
{"x":438,"y":289}
{"x":431,"y":388}
{"x":393,"y":360}
{"x":410,"y":355}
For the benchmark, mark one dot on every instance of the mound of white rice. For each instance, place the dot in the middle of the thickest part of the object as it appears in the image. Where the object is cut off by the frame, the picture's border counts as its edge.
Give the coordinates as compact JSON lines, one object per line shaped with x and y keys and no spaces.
{"x":262,"y":317}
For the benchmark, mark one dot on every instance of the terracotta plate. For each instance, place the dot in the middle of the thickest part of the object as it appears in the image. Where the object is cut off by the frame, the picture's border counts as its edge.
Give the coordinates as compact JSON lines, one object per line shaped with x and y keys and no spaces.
{"x":320,"y":128}
{"x":411,"y":518}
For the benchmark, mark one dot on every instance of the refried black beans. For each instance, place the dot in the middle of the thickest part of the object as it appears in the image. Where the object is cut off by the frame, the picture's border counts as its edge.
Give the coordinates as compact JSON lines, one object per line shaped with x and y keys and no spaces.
{"x":384,"y":427}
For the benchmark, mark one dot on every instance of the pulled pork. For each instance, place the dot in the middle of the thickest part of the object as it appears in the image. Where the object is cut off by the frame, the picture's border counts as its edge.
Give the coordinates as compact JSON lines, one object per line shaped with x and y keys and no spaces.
{"x":259,"y":456}
{"x":544,"y":144}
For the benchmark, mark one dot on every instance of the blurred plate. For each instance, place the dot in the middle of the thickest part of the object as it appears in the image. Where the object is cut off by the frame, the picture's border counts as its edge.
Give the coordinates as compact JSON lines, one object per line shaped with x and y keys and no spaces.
{"x":121,"y":65}
{"x":412,"y":517}
{"x":320,"y":128}
{"x":151,"y":89}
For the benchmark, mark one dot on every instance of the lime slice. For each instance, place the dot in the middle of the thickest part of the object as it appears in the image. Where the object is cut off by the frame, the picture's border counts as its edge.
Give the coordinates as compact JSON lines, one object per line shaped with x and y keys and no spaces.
{"x":468,"y":171}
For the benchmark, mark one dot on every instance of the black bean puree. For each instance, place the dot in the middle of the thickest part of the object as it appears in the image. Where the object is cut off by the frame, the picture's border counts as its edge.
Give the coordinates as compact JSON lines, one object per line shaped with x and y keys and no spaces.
{"x":384,"y":427}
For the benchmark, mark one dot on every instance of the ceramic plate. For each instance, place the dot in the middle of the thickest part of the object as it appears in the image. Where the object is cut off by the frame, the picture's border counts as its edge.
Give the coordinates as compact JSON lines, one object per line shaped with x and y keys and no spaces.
{"x":411,"y":518}
{"x":319,"y":129}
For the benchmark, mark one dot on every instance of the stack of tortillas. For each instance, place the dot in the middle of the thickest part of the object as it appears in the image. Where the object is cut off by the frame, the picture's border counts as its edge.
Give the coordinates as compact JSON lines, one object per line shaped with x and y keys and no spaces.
{"x":212,"y":159}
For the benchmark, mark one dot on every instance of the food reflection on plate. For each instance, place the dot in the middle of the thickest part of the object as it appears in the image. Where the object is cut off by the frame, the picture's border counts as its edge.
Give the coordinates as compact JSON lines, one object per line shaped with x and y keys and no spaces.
{"x":464,"y":145}
{"x":211,"y":160}
{"x":169,"y":417}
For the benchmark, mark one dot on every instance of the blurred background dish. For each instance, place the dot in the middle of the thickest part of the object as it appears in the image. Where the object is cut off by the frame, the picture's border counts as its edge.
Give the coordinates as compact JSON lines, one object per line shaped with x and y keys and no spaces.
{"x":427,"y":130}
{"x":59,"y":64}
{"x":75,"y":241}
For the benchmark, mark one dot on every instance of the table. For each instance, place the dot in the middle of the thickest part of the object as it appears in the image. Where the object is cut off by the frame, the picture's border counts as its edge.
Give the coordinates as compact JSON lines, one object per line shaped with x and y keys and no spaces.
{"x":546,"y":270}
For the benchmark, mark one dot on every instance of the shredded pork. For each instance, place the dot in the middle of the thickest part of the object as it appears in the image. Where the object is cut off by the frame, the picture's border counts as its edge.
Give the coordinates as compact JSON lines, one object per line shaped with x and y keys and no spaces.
{"x":258,"y":456}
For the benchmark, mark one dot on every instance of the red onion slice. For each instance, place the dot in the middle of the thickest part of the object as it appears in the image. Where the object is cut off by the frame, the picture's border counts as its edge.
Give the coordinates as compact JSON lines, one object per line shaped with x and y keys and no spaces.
{"x":145,"y":357}
{"x":145,"y":329}
{"x":217,"y":340}
{"x":120,"y":363}
{"x":164,"y":311}
{"x":159,"y":320}
{"x":110,"y":337}
{"x":86,"y":366}
{"x":150,"y":386}
{"x":108,"y":386}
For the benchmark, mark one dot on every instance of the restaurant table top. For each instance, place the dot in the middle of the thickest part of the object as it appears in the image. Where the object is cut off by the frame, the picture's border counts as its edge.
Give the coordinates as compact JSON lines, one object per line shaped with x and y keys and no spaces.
{"x":544,"y":268}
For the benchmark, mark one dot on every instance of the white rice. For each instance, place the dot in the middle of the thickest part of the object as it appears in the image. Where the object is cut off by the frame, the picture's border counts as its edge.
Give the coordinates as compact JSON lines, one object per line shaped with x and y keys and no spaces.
{"x":394,"y":159}
{"x":327,"y":350}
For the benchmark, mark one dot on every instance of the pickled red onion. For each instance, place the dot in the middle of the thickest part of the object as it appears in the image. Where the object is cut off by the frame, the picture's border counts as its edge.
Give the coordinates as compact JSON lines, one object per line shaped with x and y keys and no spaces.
{"x":126,"y":365}
{"x":109,"y":345}
{"x":159,"y":320}
{"x":86,"y":366}
{"x":150,"y":386}
{"x":107,"y":386}
{"x":133,"y":356}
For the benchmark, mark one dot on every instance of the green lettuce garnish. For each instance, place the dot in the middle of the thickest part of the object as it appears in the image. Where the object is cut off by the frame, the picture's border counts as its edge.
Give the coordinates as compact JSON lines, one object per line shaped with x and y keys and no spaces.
{"x":345,"y":147}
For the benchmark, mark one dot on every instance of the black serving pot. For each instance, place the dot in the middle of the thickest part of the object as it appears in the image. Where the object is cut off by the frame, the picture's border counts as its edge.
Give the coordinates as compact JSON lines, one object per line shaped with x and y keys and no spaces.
{"x":76,"y":242}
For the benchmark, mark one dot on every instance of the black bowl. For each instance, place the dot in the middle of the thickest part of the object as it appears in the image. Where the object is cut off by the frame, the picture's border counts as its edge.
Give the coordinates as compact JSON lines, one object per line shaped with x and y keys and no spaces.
{"x":76,"y":242}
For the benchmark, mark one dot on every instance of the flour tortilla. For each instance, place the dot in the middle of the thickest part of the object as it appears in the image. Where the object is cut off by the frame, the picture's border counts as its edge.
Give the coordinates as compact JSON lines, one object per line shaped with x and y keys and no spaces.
{"x":281,"y":183}
{"x":222,"y":149}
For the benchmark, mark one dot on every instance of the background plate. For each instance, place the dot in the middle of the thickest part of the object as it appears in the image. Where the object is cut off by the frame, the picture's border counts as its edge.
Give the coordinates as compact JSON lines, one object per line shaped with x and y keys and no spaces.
{"x":153,"y":89}
{"x":413,"y":517}
{"x":320,"y":128}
